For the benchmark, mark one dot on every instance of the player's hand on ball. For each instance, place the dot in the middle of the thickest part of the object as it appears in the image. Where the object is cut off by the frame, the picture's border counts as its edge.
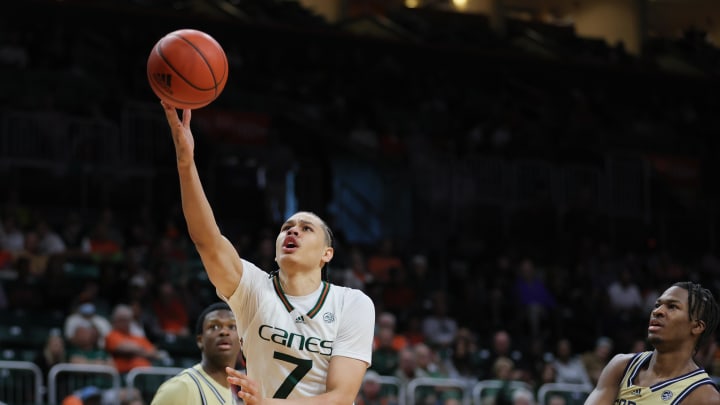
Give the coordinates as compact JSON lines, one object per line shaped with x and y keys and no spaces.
{"x":249,"y":390}
{"x":182,"y":136}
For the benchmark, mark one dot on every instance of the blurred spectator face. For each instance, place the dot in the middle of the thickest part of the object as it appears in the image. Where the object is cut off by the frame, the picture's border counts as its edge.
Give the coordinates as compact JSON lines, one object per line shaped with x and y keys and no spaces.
{"x":386,"y":320}
{"x":557,"y":400}
{"x":423,"y":355}
{"x":85,"y":336}
{"x":563,"y":349}
{"x":503,"y":368}
{"x":548,"y":373}
{"x":501,"y":342}
{"x":407,"y":362}
{"x":603,"y":350}
{"x":371,"y":384}
{"x":121,"y":321}
{"x":56,"y":344}
{"x":385,"y":337}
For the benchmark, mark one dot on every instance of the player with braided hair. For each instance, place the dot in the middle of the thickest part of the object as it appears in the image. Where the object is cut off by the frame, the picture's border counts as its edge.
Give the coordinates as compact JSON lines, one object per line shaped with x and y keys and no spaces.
{"x":684,"y":317}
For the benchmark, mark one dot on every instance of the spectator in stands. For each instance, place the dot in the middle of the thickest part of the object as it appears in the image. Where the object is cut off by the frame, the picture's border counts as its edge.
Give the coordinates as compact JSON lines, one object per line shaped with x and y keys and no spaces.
{"x":465,"y":355}
{"x":106,"y":243}
{"x":595,"y":360}
{"x":206,"y":382}
{"x":129,"y":351}
{"x":12,"y":237}
{"x":428,"y":365}
{"x":385,"y":355}
{"x":372,"y":392}
{"x":170,"y":310}
{"x":407,"y":366}
{"x":356,"y":275}
{"x":568,"y":366}
{"x":36,"y":259}
{"x":54,"y":352}
{"x":83,"y":346}
{"x":388,"y":320}
{"x":49,"y":241}
{"x":504,"y":370}
{"x":86,"y":313}
{"x":501,"y":346}
{"x":533,"y":297}
{"x":90,"y":291}
{"x":626,"y":304}
{"x":422,"y":280}
{"x":83,"y":349}
{"x":439,"y":328}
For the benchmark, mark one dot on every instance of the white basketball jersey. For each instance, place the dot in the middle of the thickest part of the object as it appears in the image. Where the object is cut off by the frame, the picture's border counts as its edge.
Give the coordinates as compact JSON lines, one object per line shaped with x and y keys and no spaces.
{"x":288,"y":341}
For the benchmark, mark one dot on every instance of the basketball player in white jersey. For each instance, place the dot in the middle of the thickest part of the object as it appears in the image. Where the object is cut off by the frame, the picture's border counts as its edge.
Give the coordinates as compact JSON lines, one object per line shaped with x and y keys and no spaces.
{"x":685,"y":316}
{"x":305,"y":341}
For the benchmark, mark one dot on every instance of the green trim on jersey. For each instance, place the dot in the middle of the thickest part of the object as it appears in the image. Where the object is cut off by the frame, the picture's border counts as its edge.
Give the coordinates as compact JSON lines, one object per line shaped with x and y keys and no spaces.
{"x":289,"y":307}
{"x":321,"y":300}
{"x":279,"y":291}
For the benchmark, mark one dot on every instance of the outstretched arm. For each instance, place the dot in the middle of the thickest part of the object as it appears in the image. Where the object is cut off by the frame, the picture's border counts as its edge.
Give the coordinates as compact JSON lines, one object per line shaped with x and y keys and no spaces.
{"x":608,"y":386}
{"x":219,"y":257}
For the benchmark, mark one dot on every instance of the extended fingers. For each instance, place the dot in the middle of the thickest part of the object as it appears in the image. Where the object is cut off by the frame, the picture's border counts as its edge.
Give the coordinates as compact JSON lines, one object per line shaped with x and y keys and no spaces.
{"x":186,"y":117}
{"x":248,"y":388}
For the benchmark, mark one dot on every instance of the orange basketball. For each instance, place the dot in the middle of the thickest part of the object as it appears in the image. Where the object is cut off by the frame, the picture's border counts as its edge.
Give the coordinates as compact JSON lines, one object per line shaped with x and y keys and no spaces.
{"x":187,"y":69}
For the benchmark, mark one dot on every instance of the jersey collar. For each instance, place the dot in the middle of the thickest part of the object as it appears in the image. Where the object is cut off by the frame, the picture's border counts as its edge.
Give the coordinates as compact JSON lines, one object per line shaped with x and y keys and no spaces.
{"x":289,"y":307}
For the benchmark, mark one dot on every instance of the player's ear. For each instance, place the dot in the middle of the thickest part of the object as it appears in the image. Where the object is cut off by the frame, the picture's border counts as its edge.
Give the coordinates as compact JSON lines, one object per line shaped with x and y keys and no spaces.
{"x":328,"y":255}
{"x":699,"y":327}
{"x":199,"y":342}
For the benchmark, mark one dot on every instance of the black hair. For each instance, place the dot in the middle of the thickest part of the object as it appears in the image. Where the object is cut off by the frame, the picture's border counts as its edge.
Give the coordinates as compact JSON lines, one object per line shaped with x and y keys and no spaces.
{"x":210,"y":308}
{"x":330,"y":241}
{"x":701,"y":307}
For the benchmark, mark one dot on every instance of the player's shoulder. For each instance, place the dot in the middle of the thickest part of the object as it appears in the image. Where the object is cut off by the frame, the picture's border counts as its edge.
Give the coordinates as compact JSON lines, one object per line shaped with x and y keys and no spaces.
{"x":621,"y":361}
{"x":175,"y":390}
{"x":351,"y":294}
{"x":703,"y":394}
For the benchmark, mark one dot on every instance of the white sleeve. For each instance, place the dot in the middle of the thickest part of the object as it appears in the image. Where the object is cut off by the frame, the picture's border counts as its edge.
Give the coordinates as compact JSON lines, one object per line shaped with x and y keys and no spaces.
{"x":244,"y":301}
{"x":355,"y":337}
